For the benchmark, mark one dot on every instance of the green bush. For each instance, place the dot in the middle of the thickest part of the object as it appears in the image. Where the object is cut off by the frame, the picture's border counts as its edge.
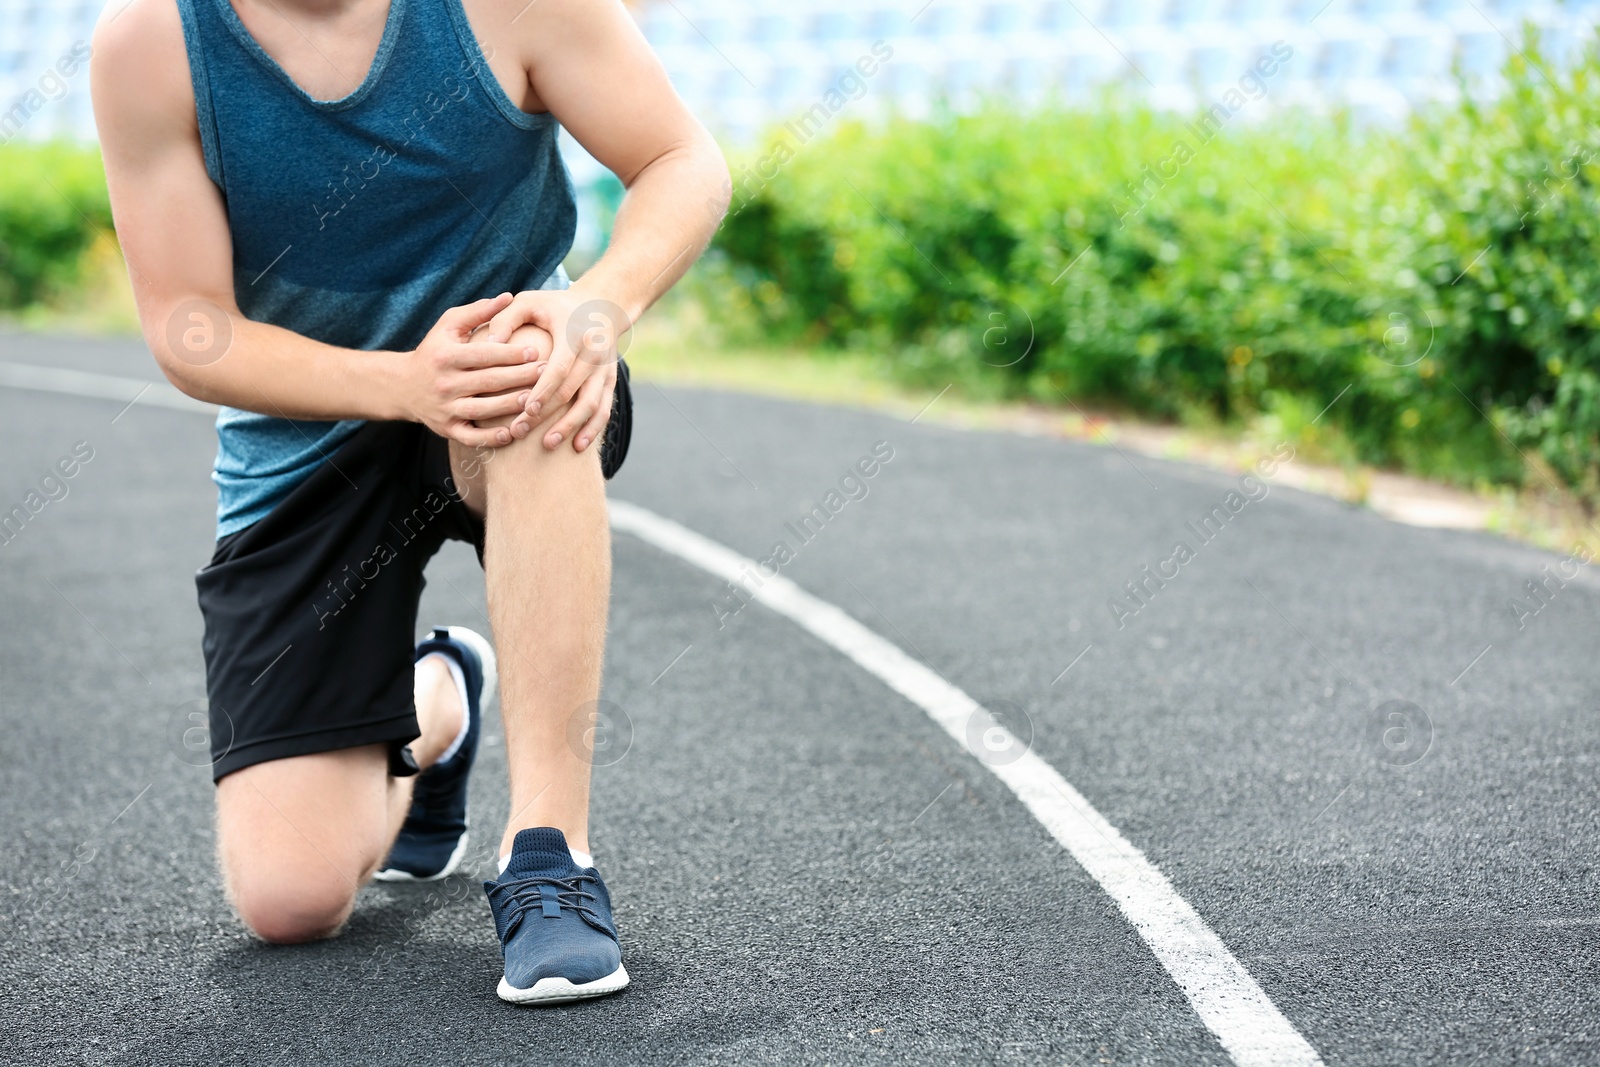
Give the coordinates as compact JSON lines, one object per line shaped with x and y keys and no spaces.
{"x":1412,"y":275}
{"x":1515,"y":187}
{"x":52,"y":208}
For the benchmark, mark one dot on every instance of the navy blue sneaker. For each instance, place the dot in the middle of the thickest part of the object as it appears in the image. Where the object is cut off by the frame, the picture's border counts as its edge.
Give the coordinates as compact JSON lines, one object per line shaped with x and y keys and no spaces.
{"x":434,"y":837}
{"x":554,"y":922}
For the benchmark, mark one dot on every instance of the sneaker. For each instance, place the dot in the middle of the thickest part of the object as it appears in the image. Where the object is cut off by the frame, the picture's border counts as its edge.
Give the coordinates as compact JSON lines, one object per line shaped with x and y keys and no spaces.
{"x":434,"y":837}
{"x":554,"y":922}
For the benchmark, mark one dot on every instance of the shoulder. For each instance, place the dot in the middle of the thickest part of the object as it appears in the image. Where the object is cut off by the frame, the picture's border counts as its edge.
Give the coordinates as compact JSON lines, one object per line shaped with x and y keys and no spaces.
{"x":556,"y":24}
{"x":131,"y":31}
{"x":140,"y":69}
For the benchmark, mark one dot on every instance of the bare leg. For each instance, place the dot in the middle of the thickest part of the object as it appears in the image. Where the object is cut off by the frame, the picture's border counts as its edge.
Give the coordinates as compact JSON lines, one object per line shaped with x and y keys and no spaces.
{"x":439,"y":714}
{"x":298,"y":837}
{"x":547,"y":562}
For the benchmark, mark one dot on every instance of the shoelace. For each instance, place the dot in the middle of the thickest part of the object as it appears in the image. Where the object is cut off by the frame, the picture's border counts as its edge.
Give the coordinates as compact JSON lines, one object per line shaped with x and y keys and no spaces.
{"x":548,"y":896}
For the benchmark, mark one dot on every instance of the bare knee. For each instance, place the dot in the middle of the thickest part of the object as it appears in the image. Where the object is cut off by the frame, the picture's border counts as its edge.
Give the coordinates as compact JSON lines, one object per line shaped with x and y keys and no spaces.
{"x":478,"y":471}
{"x":290,"y":911}
{"x":296,"y":837}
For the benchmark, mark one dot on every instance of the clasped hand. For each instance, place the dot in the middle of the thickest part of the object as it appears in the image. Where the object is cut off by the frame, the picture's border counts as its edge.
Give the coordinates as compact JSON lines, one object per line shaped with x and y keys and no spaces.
{"x":519,"y":356}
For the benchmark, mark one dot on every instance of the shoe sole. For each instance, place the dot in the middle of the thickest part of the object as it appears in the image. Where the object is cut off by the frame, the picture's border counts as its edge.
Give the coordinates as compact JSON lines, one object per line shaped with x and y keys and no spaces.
{"x":480,"y":644}
{"x":556,"y":990}
{"x":491,"y":679}
{"x":394,"y":874}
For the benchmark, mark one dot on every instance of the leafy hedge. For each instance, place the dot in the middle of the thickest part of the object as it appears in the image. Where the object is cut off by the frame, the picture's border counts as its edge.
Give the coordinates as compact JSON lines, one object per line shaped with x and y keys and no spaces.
{"x":53,"y":205}
{"x":1438,"y":285}
{"x":1412,"y":278}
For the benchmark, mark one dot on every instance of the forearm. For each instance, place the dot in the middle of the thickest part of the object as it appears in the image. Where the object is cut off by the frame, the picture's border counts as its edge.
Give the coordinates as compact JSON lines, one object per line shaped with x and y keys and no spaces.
{"x":668,"y":217}
{"x":271,"y":370}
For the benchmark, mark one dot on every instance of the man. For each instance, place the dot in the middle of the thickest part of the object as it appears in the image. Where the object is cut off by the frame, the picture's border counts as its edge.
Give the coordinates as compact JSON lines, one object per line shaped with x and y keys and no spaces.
{"x":345,"y":220}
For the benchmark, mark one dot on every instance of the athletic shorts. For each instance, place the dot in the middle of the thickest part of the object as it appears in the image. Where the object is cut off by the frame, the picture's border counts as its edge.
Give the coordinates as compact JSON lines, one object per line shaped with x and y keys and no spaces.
{"x":310,"y":613}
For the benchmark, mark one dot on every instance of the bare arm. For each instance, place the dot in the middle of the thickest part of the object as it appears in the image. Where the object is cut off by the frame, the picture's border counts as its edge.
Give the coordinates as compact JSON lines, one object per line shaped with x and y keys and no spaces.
{"x":173,"y":228}
{"x":596,"y":73}
{"x":589,"y":64}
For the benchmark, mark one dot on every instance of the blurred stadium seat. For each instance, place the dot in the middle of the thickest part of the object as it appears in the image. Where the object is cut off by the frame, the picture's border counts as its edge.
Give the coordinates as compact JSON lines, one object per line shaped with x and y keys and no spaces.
{"x":746,"y":66}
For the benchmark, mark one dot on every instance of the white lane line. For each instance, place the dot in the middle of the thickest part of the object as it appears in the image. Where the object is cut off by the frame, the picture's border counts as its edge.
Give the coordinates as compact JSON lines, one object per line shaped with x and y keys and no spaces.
{"x":1221,"y":991}
{"x":99,"y":386}
{"x":1230,"y":1003}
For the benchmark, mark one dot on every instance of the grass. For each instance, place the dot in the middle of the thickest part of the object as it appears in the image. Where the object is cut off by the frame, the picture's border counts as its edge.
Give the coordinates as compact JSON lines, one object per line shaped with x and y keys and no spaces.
{"x":678,"y":344}
{"x":670,"y":347}
{"x":103,"y":305}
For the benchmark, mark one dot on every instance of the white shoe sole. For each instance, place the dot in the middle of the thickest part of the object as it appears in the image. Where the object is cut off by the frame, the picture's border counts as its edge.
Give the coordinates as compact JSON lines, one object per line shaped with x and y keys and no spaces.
{"x":491,"y":679}
{"x":391,"y":874}
{"x":480,"y":644}
{"x":554,"y":990}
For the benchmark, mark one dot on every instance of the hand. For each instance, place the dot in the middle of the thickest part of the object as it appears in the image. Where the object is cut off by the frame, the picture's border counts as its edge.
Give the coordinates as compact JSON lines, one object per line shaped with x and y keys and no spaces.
{"x":582,"y":367}
{"x":454,"y":379}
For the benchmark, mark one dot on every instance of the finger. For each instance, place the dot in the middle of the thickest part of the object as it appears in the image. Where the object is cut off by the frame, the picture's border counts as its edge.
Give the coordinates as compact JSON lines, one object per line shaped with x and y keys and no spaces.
{"x":493,"y":380}
{"x":519,"y":312}
{"x":475,"y":355}
{"x":575,"y":381}
{"x":583,"y":406}
{"x":461,"y":321}
{"x":597,"y":425}
{"x":504,"y":323}
{"x":535,"y":338}
{"x":581,"y":411}
{"x":478,"y":408}
{"x":557,"y":368}
{"x":475,"y":437}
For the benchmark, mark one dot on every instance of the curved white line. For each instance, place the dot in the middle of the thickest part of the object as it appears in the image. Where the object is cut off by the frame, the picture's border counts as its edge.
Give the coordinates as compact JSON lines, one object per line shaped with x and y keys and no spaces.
{"x":1230,"y":1003}
{"x":1224,"y":995}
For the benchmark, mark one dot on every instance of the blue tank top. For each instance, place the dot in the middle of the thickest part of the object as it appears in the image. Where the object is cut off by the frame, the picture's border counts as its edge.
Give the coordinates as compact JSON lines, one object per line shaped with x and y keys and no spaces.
{"x":357,"y":222}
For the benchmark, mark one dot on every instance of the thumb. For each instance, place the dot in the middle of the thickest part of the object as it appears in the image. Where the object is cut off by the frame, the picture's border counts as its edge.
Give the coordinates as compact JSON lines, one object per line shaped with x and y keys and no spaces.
{"x":461,"y":321}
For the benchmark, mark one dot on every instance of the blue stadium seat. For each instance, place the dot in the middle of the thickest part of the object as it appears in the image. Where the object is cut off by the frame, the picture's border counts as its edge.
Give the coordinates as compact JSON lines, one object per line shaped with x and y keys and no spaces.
{"x":1379,"y":57}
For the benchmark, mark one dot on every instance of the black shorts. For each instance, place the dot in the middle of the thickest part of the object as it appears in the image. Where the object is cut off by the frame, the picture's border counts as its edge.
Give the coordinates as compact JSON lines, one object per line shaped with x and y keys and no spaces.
{"x":310,"y":613}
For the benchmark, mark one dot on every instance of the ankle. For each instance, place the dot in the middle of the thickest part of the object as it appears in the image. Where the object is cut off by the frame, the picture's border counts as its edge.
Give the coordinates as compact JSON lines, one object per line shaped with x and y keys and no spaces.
{"x":580,"y":855}
{"x":576,"y":842}
{"x":440,"y":713}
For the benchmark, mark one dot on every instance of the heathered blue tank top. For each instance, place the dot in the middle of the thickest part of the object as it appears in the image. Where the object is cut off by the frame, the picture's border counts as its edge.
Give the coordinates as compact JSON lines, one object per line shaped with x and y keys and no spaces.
{"x":357,"y":222}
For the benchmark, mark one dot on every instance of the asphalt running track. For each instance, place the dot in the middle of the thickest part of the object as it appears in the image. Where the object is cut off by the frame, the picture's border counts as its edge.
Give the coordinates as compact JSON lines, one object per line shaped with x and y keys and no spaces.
{"x":915,"y":798}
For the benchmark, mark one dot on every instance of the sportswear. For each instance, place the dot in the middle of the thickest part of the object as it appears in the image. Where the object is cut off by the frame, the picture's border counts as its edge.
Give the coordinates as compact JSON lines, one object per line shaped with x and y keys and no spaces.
{"x":310,"y":613}
{"x":433,"y":839}
{"x":554,"y":920}
{"x":359,"y":221}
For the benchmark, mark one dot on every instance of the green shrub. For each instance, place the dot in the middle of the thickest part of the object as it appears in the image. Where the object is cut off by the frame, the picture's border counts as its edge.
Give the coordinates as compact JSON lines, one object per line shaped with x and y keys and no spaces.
{"x":52,"y":207}
{"x":1514,"y":184}
{"x":1272,"y":269}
